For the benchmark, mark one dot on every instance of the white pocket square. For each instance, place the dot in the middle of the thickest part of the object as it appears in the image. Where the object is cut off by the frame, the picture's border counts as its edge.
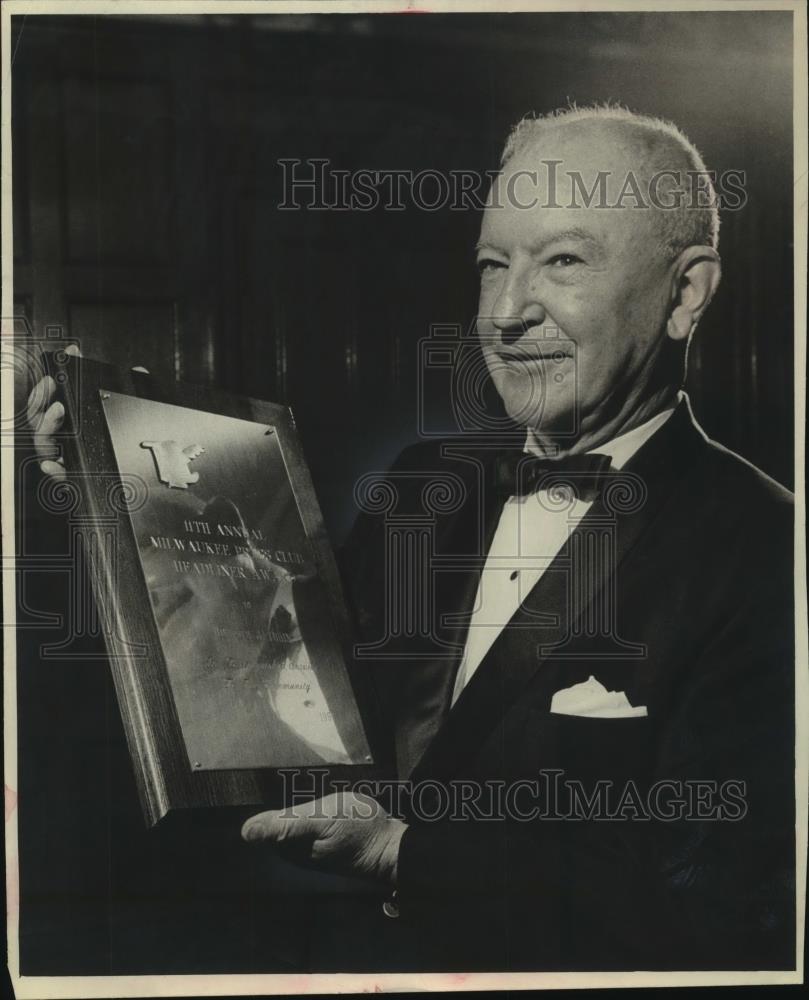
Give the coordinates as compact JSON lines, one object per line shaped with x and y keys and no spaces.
{"x":593,"y":700}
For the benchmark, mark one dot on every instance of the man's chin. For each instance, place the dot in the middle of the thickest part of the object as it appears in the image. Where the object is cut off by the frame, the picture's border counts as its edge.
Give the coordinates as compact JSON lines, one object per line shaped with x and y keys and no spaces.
{"x":549,"y":420}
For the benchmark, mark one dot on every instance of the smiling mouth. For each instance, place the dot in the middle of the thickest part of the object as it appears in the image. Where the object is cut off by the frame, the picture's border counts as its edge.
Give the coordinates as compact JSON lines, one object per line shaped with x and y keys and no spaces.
{"x":556,"y":357}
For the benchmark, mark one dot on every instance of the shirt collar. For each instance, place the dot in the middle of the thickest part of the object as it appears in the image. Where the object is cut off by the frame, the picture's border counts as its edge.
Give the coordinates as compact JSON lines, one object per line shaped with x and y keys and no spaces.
{"x":622,"y":448}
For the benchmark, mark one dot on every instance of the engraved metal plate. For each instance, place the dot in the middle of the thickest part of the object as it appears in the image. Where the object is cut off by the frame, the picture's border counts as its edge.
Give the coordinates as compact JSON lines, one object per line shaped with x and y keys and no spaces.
{"x":254,"y":664}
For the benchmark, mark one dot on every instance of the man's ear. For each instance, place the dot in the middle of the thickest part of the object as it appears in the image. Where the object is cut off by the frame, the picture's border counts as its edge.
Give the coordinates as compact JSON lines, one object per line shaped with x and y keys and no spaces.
{"x":694,"y":280}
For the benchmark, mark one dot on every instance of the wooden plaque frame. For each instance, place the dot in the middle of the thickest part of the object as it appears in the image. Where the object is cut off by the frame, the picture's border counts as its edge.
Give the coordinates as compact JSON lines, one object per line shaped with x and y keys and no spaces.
{"x":165,"y":780}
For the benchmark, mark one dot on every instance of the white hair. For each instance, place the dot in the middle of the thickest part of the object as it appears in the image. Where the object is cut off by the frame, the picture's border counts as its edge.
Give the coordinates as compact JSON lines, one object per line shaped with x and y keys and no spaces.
{"x":661,"y":146}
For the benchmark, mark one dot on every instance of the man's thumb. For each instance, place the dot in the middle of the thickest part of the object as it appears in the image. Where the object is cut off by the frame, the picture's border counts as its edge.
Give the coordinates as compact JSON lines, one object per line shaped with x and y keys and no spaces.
{"x":265,"y":826}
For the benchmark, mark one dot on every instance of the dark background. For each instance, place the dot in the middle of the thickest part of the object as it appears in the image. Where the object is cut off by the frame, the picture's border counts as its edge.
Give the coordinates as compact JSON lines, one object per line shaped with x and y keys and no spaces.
{"x":146,"y":184}
{"x":145,"y":225}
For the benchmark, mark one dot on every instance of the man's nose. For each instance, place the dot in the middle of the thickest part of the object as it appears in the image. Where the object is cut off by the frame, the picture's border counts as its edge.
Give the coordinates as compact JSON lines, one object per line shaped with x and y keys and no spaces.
{"x":517,"y":307}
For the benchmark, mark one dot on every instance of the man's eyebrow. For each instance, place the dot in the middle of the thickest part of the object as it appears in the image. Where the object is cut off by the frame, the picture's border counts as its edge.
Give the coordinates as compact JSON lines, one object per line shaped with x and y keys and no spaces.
{"x":574,"y":234}
{"x":485,"y":245}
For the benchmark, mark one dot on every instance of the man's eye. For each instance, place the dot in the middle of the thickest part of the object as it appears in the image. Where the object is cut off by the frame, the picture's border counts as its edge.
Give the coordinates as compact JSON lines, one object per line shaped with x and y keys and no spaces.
{"x":564,"y":260}
{"x":486,"y":265}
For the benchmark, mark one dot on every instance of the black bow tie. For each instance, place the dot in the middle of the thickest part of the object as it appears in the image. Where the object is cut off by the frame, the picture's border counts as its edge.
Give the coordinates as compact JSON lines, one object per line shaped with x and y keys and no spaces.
{"x":520,"y":474}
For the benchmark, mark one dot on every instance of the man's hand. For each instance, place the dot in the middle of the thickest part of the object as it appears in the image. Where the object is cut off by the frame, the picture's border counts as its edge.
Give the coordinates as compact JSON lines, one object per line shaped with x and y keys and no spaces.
{"x":344,"y":833}
{"x":46,"y":416}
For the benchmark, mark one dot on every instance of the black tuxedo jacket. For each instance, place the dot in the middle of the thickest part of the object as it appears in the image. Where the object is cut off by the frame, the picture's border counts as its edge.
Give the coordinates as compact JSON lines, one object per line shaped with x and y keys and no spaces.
{"x":687,"y":861}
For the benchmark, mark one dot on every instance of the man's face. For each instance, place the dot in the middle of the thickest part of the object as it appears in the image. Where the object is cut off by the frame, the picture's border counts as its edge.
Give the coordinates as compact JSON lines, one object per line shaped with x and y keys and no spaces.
{"x":573,"y":300}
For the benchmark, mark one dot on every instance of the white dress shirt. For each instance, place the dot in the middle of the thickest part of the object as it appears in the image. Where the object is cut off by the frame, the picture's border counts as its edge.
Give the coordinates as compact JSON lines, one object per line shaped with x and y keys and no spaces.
{"x":529,"y":535}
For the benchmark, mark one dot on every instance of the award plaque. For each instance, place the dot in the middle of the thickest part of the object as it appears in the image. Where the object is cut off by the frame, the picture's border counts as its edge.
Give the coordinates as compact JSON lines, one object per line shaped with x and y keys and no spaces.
{"x":221,"y":604}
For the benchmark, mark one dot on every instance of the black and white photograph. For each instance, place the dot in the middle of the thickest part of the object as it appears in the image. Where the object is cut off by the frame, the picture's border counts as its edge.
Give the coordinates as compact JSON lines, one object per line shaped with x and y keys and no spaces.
{"x":403,"y":523}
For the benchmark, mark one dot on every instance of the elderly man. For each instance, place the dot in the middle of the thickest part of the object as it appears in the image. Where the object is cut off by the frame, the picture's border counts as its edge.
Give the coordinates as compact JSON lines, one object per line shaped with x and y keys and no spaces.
{"x":615,"y":593}
{"x":598,"y":256}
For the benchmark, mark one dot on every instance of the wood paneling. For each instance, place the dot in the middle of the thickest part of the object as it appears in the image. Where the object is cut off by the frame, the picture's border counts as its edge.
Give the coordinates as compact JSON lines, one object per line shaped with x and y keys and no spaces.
{"x":150,"y":158}
{"x":119,"y":199}
{"x":128,"y":334}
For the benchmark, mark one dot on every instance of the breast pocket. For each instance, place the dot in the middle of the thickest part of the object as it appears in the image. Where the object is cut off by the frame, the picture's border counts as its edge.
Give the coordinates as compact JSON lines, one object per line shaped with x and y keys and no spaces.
{"x":589,"y":749}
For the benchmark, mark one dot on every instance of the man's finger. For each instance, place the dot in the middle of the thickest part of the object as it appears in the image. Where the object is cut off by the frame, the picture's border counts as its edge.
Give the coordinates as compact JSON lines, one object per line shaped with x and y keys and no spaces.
{"x":140,"y":368}
{"x":292,"y":835}
{"x":39,"y":399}
{"x":49,"y":425}
{"x":265,"y":826}
{"x":73,"y":350}
{"x":278,"y":827}
{"x":53,"y":470}
{"x":53,"y":418}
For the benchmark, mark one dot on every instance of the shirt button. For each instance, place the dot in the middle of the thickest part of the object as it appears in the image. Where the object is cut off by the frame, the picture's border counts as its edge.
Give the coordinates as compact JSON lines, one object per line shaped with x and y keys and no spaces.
{"x":390,"y":907}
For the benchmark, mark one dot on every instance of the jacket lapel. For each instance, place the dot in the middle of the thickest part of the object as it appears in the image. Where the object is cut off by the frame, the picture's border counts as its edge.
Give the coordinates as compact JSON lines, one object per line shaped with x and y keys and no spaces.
{"x":567,"y":593}
{"x":456,"y":564}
